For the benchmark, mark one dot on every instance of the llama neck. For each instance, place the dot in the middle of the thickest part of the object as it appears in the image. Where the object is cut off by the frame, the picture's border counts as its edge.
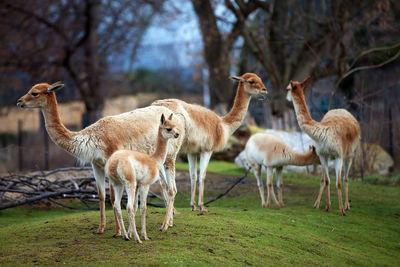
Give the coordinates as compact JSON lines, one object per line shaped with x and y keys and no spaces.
{"x":301,"y":159}
{"x":161,"y":150}
{"x":236,"y":116}
{"x":304,"y":119}
{"x":60,"y":135}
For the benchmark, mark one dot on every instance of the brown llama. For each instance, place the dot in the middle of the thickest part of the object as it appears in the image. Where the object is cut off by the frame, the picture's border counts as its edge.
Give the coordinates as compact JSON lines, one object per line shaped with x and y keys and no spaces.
{"x":207,"y":132}
{"x":273,"y":153}
{"x":336,"y":136}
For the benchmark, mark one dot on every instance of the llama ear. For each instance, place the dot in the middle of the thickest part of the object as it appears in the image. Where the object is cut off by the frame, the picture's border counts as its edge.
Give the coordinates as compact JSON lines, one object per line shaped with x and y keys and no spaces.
{"x":170,"y":116}
{"x":237,"y":78}
{"x":292,"y":85}
{"x":162,"y":119}
{"x":305,"y":81}
{"x":55,"y":86}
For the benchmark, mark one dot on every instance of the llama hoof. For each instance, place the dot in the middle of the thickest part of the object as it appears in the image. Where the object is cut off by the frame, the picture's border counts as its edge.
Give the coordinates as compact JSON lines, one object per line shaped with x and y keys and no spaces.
{"x":328,"y":207}
{"x":99,"y":230}
{"x":116,"y":235}
{"x":264,"y":205}
{"x":282,"y":205}
{"x":164,"y":228}
{"x":347,"y":207}
{"x":146,"y":238}
{"x":126,"y":238}
{"x":268,"y":205}
{"x":342,"y":212}
{"x":194,"y":208}
{"x":139,"y":241}
{"x":203,"y":210}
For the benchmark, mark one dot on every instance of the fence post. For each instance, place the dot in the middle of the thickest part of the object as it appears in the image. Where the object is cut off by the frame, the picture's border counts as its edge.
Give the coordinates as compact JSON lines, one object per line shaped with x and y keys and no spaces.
{"x":20,"y":154}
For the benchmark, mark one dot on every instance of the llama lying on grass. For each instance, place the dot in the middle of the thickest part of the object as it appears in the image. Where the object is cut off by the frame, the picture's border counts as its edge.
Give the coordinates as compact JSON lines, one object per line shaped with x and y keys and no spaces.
{"x":136,"y":170}
{"x":336,"y":136}
{"x":271,"y":152}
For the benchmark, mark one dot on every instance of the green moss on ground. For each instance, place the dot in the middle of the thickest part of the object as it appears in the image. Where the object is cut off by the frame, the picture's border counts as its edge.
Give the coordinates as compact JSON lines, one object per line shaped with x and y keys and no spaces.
{"x":236,"y":232}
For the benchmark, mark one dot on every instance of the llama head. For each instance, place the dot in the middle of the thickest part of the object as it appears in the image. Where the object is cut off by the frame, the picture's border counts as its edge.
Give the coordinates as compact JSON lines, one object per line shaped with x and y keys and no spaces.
{"x":168,"y":127}
{"x":38,"y":96}
{"x":315,"y":157}
{"x":295,"y":87}
{"x":252,"y":84}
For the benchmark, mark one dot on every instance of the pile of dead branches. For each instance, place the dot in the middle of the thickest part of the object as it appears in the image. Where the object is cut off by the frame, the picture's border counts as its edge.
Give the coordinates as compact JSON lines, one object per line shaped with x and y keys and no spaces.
{"x":41,"y":189}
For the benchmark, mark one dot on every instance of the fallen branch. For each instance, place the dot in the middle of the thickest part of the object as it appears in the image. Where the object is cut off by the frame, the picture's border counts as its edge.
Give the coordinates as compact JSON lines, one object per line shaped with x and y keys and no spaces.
{"x":37,"y":188}
{"x":33,"y":199}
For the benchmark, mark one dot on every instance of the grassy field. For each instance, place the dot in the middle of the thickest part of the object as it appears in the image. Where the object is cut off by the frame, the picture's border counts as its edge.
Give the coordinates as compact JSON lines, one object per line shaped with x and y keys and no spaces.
{"x":236,"y":231}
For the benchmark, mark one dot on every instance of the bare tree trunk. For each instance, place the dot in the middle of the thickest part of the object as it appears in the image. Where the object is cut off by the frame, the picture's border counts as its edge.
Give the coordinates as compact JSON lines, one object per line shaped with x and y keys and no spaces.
{"x":94,"y":101}
{"x":221,"y":88}
{"x":216,"y":54}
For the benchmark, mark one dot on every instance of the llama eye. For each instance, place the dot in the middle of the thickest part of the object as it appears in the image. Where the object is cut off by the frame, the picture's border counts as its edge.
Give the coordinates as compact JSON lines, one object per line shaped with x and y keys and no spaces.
{"x":251,"y":82}
{"x":169,"y":129}
{"x":35,"y":94}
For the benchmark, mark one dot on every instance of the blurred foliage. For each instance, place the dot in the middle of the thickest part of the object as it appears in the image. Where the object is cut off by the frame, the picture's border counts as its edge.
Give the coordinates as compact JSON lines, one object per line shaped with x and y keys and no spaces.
{"x":146,"y":81}
{"x":163,"y":81}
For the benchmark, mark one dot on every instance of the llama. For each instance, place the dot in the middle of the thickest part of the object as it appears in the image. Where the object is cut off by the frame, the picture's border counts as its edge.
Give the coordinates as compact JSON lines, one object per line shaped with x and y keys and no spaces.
{"x":134,"y":130}
{"x":136,"y":170}
{"x":207,"y":132}
{"x":271,"y":152}
{"x":336,"y":136}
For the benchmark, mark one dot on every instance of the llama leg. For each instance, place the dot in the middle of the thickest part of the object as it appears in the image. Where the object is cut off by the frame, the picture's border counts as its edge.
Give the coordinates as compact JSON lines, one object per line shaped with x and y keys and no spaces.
{"x":117,"y":209}
{"x":144,"y":190}
{"x":325,"y":178}
{"x":163,"y":185}
{"x":170,"y":175}
{"x":273,"y":190}
{"x":136,"y":198}
{"x":117,"y":226}
{"x":257,"y":173}
{"x":131,"y":192}
{"x":135,"y":201}
{"x":338,"y":169}
{"x":204,"y":159}
{"x":279,"y":184}
{"x":100,"y":182}
{"x":192,"y":159}
{"x":321,"y":190}
{"x":270,"y":191}
{"x":346,"y":170}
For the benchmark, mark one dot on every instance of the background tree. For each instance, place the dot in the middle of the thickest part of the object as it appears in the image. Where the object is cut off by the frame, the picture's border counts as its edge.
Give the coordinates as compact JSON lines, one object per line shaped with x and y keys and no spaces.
{"x":72,"y":39}
{"x":217,"y":46}
{"x":294,"y":39}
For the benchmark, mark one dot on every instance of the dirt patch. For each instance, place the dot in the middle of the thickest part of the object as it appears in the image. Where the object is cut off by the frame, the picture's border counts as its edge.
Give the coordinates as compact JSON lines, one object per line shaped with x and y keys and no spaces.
{"x":213,"y":182}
